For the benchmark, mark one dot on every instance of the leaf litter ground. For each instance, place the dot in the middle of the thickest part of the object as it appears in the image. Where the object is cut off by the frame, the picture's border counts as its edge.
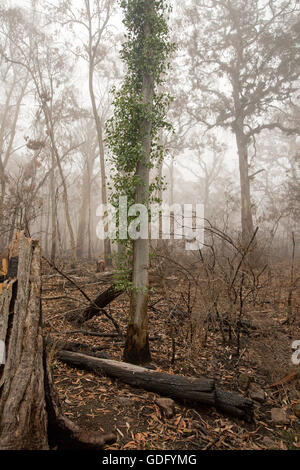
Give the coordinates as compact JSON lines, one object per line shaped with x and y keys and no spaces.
{"x":103,"y":404}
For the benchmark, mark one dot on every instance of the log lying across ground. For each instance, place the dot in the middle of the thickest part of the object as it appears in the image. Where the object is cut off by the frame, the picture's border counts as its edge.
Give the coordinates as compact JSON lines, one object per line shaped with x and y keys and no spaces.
{"x":30,"y":413}
{"x":194,"y":390}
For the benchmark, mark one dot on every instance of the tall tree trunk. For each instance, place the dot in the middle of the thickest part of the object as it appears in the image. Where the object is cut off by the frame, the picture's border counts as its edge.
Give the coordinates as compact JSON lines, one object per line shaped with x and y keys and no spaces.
{"x":107,"y":245}
{"x":53,"y":213}
{"x":3,"y":190}
{"x":85,"y":209}
{"x":246,"y":213}
{"x":137,"y":349}
{"x":4,"y":156}
{"x":82,"y":227}
{"x":242,"y":147}
{"x":159,"y":243}
{"x":89,"y":225}
{"x":65,"y":190}
{"x":47,"y":216}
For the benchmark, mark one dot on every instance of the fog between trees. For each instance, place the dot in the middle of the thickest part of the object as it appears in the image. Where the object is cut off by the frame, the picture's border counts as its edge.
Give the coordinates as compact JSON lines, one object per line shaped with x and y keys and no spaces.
{"x":235,"y":117}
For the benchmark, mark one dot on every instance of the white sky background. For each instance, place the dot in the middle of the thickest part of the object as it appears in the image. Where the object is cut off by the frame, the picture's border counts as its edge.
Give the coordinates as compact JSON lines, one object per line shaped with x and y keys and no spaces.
{"x":81,"y":82}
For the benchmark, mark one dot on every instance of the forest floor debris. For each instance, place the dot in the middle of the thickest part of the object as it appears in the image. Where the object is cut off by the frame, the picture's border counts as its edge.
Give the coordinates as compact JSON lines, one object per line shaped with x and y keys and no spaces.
{"x":99,"y":403}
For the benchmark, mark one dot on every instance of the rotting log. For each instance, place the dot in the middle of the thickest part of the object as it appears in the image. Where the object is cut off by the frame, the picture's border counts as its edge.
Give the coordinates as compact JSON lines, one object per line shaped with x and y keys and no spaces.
{"x":104,"y":299}
{"x":191,"y":389}
{"x":30,"y":414}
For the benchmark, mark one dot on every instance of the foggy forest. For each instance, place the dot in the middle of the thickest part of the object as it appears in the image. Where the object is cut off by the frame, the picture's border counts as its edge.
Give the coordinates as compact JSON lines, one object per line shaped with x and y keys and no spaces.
{"x":149,"y":225}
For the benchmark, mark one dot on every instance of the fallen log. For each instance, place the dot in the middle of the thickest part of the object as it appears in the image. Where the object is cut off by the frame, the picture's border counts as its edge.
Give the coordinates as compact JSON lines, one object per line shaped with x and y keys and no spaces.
{"x":30,"y":413}
{"x":193,"y":389}
{"x":104,"y":299}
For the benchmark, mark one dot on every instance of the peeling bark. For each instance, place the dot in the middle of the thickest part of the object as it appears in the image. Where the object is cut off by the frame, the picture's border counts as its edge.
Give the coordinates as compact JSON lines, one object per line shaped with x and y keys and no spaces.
{"x":30,"y":413}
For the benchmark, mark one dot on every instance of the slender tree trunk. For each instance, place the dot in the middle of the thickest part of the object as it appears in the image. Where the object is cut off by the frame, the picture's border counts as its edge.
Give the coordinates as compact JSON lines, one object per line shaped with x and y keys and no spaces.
{"x":206,"y":192}
{"x":137,"y":349}
{"x":172,"y":182}
{"x":2,"y":194}
{"x":3,"y":129}
{"x":82,"y":214}
{"x":89,"y":225}
{"x":53,"y":213}
{"x":107,"y":246}
{"x":65,"y":190}
{"x":13,"y":224}
{"x":47,"y":216}
{"x":246,"y":213}
{"x":61,"y":245}
{"x":55,"y":154}
{"x":4,"y":156}
{"x":242,"y":147}
{"x":159,"y":243}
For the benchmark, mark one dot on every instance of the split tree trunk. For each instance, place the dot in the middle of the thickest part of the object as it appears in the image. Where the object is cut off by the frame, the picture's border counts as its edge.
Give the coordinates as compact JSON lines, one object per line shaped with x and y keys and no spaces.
{"x":195,"y":390}
{"x":30,"y":414}
{"x":23,"y":417}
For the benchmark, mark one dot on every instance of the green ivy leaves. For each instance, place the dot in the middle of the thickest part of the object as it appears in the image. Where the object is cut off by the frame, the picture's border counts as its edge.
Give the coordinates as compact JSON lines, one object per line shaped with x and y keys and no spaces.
{"x":145,"y":53}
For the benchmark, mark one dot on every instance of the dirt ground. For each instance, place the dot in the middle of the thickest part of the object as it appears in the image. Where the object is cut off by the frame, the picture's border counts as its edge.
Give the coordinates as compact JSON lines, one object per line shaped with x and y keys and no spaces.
{"x":102,"y":404}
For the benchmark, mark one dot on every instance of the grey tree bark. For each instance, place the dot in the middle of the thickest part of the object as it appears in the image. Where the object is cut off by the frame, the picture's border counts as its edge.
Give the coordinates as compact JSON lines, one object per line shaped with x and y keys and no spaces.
{"x":30,"y":412}
{"x":137,"y":343}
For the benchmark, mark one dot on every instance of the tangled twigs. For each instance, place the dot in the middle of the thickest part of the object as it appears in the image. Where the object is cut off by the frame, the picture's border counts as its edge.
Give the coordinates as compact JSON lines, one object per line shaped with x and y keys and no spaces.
{"x":243,"y":258}
{"x":92,"y":303}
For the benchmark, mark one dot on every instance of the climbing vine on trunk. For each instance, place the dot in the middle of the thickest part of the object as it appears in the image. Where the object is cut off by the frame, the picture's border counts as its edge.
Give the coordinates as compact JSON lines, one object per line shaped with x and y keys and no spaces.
{"x":133,"y":138}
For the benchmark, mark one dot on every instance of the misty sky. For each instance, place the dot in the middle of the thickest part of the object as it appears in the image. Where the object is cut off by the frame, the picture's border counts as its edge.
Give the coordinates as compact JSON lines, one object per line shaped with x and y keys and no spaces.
{"x":81,"y":83}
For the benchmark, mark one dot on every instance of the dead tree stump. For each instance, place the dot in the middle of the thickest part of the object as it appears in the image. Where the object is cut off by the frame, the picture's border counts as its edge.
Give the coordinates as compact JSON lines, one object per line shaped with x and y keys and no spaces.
{"x":30,"y":414}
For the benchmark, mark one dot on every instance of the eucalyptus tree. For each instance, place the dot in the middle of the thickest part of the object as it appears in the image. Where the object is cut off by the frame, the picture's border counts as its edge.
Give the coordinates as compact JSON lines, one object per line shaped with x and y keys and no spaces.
{"x":90,"y":22}
{"x":209,"y":164}
{"x":243,"y":61}
{"x":14,"y":86}
{"x":133,"y":137}
{"x":50,"y":70}
{"x":88,"y":152}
